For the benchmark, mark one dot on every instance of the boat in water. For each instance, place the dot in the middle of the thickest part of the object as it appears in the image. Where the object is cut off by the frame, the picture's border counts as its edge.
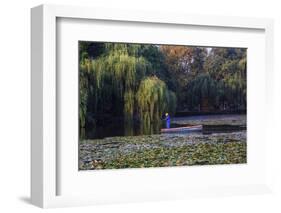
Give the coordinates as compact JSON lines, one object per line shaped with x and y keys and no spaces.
{"x":183,"y":129}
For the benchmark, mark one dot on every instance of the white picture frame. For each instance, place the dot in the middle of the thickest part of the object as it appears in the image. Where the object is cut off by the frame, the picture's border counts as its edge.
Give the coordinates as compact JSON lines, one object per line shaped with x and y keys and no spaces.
{"x":44,"y":148}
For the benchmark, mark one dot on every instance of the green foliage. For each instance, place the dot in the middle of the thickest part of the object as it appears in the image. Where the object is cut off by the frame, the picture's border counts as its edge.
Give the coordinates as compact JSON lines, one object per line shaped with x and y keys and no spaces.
{"x":172,"y":102}
{"x":227,"y":69}
{"x":199,"y":56}
{"x":83,"y":94}
{"x":143,"y":81}
{"x":113,"y":79}
{"x":153,"y":100}
{"x":202,"y":87}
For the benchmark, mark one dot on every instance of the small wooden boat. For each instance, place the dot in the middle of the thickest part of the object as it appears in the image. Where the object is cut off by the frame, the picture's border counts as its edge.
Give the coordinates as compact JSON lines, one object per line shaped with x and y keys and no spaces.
{"x":183,"y":129}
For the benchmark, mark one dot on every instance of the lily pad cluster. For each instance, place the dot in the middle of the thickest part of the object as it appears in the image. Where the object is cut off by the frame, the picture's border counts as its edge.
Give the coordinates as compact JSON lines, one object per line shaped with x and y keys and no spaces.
{"x":163,"y":150}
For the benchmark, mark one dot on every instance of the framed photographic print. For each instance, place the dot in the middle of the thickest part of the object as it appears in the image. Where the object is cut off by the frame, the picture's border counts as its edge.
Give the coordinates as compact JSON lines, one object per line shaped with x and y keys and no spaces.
{"x":130,"y":106}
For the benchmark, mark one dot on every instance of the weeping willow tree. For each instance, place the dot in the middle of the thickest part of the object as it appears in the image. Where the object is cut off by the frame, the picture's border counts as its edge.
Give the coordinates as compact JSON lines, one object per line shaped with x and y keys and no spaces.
{"x":235,"y":91}
{"x":235,"y":83}
{"x":113,"y":79}
{"x":202,"y":88}
{"x":83,"y":90}
{"x":153,"y":100}
{"x":228,"y":67}
{"x":229,"y":91}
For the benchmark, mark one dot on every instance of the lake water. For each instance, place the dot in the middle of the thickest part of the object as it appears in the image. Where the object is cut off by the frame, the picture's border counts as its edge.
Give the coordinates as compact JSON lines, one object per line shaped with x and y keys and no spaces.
{"x":211,"y":123}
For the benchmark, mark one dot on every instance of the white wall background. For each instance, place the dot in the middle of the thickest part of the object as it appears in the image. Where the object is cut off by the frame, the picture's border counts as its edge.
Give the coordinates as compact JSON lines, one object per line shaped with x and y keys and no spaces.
{"x":15,"y":104}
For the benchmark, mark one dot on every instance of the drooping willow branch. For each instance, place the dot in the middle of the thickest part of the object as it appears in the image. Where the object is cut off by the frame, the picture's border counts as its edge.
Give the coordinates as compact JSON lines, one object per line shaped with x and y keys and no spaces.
{"x":121,"y":73}
{"x":154,"y":99}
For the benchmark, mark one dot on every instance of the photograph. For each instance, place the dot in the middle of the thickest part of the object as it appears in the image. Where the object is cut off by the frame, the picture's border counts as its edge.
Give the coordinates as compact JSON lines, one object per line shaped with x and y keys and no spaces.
{"x":161,"y":105}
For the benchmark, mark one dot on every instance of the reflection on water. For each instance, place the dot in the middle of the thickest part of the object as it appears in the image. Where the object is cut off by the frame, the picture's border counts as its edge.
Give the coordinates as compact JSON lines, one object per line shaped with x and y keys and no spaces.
{"x":211,"y":124}
{"x":121,"y":129}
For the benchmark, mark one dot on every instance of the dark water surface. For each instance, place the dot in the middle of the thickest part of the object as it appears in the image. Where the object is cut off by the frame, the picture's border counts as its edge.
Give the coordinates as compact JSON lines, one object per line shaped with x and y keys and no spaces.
{"x":211,"y":124}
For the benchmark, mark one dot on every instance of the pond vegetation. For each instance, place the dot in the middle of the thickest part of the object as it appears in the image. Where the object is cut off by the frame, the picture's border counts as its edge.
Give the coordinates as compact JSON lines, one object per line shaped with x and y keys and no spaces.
{"x":163,"y":150}
{"x":126,"y":89}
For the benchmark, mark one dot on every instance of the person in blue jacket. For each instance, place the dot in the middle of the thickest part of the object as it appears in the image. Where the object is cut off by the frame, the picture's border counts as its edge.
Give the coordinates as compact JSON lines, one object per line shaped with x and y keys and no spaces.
{"x":168,"y":120}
